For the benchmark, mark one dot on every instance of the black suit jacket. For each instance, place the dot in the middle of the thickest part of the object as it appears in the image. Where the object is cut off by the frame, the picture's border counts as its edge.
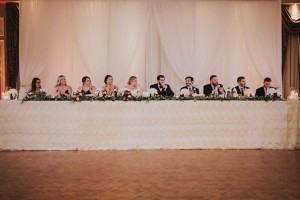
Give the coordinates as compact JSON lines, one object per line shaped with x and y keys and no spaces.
{"x":237,"y":88}
{"x":260,"y":92}
{"x":196,"y":90}
{"x":207,"y":89}
{"x":164,"y":92}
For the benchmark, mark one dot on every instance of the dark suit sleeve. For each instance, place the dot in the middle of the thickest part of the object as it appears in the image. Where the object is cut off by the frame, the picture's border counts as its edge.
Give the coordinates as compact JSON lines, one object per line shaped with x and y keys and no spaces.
{"x":169,"y":91}
{"x":197,"y":91}
{"x":259,"y":93}
{"x":256,"y":92}
{"x":205,"y":90}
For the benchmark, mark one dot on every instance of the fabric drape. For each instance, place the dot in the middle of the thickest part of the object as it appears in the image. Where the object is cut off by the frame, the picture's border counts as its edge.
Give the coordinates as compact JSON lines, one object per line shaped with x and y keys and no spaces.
{"x":291,"y":52}
{"x":12,"y":43}
{"x":177,"y":38}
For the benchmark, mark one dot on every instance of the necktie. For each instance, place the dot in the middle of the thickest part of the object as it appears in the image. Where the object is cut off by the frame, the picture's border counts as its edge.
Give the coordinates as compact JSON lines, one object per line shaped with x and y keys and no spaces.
{"x":242,"y":91}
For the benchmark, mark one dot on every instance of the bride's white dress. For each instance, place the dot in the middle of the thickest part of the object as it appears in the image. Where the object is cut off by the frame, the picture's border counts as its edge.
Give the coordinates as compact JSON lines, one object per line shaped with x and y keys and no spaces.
{"x":134,"y":92}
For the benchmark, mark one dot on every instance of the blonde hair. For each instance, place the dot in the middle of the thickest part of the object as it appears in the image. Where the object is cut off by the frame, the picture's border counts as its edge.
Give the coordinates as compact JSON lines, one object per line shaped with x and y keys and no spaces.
{"x":58,"y":82}
{"x":131,"y":79}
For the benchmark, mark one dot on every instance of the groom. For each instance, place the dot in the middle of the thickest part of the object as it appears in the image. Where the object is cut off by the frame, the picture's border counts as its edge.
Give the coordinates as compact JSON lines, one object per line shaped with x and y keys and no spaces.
{"x":162,"y":88}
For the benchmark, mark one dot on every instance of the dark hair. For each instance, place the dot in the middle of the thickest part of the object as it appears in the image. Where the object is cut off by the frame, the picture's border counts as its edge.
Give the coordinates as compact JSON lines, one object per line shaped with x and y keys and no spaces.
{"x":240,"y":78}
{"x":160,"y":76}
{"x":267,"y":79}
{"x":84,"y":78}
{"x":106,"y":77}
{"x":33,"y":84}
{"x":212,"y":76}
{"x":189,"y":77}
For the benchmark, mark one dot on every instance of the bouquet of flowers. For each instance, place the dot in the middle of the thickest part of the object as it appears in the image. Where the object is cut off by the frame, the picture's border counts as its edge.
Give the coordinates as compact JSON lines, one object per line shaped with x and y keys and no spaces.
{"x":126,"y":94}
{"x":77,"y":96}
{"x":10,"y":94}
{"x":271,"y":92}
{"x":40,"y":96}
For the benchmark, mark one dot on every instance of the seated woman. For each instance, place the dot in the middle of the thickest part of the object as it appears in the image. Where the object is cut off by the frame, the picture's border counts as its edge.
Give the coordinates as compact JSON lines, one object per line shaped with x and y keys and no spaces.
{"x":62,"y":89}
{"x":133,"y":87}
{"x":35,"y":85}
{"x":109,"y":87}
{"x":87,"y":88}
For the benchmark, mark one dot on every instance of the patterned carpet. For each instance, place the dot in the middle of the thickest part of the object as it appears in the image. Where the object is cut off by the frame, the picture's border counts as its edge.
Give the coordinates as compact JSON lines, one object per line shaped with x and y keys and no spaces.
{"x":165,"y":174}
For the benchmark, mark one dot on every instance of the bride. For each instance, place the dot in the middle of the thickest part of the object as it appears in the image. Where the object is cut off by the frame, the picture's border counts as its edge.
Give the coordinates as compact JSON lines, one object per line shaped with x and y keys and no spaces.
{"x":133,"y":87}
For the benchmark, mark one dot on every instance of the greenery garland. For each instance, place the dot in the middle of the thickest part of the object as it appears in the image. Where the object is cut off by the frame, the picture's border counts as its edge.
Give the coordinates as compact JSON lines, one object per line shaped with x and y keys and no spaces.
{"x":42,"y":96}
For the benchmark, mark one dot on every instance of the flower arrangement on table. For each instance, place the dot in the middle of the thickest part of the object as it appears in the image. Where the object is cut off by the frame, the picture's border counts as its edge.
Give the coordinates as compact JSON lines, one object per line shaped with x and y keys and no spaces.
{"x":40,"y":96}
{"x":10,"y":94}
{"x":126,"y":95}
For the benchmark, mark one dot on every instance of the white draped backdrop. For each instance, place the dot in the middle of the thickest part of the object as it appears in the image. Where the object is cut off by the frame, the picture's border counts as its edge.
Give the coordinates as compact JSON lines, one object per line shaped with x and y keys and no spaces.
{"x":145,"y":38}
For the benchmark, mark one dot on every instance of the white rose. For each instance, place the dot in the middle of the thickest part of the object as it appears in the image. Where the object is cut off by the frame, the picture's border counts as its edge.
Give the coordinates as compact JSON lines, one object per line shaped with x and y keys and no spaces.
{"x":249,"y":92}
{"x":185,"y":92}
{"x":153,"y":91}
{"x":135,"y":93}
{"x":271,"y":91}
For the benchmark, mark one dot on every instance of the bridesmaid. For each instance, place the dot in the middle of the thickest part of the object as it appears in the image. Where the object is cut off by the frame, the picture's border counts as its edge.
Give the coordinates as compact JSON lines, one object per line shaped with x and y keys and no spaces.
{"x":109,"y":87}
{"x":35,"y":85}
{"x":87,"y":88}
{"x":62,"y":88}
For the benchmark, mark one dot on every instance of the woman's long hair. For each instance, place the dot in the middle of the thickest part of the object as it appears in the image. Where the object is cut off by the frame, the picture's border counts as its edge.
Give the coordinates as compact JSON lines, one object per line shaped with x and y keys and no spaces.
{"x":131,"y":79}
{"x":33,"y":84}
{"x":58,"y":82}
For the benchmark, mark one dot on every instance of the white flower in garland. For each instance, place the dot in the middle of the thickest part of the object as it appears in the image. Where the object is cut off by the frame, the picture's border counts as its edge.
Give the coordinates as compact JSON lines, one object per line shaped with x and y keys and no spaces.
{"x":153,"y":91}
{"x":135,"y":93}
{"x":43,"y":90}
{"x":271,"y":91}
{"x":249,"y":92}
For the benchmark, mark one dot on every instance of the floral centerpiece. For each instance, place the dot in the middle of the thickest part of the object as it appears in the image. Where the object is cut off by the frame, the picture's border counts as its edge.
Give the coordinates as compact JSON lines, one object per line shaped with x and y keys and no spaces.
{"x":10,"y":94}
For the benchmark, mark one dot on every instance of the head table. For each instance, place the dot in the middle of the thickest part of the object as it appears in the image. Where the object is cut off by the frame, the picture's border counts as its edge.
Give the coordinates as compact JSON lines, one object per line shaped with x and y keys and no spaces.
{"x":54,"y":125}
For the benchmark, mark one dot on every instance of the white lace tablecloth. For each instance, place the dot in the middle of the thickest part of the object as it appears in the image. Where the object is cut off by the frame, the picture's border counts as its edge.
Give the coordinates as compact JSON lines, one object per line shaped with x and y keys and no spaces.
{"x":153,"y":125}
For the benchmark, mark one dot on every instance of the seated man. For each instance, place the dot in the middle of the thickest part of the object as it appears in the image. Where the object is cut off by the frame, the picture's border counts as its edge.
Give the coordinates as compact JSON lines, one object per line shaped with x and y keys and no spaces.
{"x":266,"y":89}
{"x":241,"y":87}
{"x":214,"y":88}
{"x":189,"y":86}
{"x":162,"y":88}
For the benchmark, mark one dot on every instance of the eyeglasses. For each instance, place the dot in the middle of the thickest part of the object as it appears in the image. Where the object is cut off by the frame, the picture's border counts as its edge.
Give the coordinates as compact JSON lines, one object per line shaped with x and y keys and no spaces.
{"x":37,"y":82}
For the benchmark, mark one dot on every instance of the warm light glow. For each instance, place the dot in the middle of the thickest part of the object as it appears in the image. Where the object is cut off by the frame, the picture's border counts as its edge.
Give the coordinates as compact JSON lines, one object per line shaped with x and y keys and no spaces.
{"x":294,"y":12}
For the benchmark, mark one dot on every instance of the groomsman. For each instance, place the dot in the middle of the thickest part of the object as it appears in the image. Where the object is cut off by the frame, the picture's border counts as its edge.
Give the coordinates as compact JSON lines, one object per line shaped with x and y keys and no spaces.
{"x":189,"y":81}
{"x":241,"y":87}
{"x":263,"y":91}
{"x":162,"y":88}
{"x":214,"y":88}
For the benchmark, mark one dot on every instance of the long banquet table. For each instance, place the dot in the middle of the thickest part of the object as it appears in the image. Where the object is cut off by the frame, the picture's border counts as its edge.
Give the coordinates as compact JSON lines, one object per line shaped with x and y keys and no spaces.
{"x":53,"y":125}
